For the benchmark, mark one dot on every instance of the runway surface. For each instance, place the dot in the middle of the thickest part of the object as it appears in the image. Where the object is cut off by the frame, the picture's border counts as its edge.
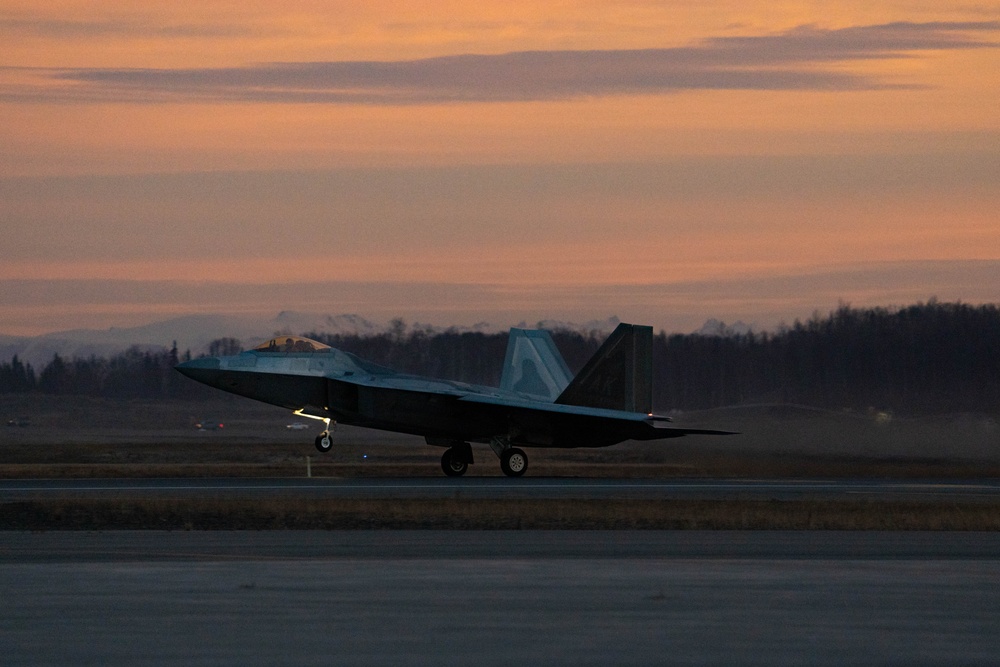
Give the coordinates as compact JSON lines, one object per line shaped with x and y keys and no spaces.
{"x":499,"y":598}
{"x":501,"y":545}
{"x":504,"y":488}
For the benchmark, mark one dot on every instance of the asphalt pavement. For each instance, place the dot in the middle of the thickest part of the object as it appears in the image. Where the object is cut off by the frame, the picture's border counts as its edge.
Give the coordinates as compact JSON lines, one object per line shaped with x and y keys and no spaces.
{"x":499,"y":598}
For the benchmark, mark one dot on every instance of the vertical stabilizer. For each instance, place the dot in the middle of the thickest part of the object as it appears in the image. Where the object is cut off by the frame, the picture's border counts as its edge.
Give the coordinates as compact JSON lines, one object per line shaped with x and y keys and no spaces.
{"x":620,"y":374}
{"x":534,"y":366}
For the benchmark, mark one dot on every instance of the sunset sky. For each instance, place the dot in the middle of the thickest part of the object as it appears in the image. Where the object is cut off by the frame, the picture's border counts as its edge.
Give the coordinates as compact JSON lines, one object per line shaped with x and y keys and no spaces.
{"x":452,"y":162}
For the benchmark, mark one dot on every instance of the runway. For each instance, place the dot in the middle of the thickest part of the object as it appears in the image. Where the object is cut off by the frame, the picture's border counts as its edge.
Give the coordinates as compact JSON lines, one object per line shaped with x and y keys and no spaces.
{"x":500,"y":545}
{"x":504,"y":488}
{"x":499,"y":597}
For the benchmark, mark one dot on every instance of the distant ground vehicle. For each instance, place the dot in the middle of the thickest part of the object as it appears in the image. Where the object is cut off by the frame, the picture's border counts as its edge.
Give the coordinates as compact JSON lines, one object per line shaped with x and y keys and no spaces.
{"x":297,"y":426}
{"x":20,"y":421}
{"x":209,"y":425}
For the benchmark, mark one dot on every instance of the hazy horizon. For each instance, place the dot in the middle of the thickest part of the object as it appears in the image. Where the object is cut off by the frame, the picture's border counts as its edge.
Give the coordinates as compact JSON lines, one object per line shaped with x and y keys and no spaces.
{"x":763,"y":302}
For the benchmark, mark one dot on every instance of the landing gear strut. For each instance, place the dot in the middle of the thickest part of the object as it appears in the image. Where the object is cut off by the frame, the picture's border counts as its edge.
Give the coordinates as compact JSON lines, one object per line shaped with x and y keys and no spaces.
{"x":324,"y":441}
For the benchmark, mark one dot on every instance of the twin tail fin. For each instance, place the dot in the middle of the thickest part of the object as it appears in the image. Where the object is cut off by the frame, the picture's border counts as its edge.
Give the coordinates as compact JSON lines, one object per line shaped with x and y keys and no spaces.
{"x":618,"y":377}
{"x":620,"y":374}
{"x":533,"y":365}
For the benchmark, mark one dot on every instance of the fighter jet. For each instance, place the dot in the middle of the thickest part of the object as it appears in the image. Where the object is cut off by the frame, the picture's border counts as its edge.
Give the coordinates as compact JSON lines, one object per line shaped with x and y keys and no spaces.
{"x":538,"y":403}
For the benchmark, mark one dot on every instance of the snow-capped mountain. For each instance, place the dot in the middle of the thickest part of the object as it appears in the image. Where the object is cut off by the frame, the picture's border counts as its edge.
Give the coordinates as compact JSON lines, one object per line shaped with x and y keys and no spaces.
{"x":714,"y":327}
{"x":191,"y":332}
{"x":196,"y":332}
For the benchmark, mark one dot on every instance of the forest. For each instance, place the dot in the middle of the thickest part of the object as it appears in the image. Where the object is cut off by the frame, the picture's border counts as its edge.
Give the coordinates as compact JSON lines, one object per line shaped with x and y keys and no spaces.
{"x":928,"y":358}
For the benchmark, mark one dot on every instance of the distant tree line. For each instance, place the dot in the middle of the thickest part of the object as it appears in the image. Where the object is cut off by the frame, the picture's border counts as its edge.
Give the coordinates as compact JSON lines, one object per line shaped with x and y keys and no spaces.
{"x":135,"y":373}
{"x":922,"y":359}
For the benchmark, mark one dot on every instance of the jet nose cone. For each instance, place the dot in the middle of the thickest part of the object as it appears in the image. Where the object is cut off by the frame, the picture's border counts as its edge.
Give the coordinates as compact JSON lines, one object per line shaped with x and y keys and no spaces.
{"x":202,"y":370}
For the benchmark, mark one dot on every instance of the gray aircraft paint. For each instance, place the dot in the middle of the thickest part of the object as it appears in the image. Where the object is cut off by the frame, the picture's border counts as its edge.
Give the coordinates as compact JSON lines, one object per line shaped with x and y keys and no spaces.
{"x":537,"y":404}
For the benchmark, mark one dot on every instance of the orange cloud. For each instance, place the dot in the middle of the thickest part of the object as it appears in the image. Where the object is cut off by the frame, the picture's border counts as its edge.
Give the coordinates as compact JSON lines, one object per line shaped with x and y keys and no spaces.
{"x":570,"y":143}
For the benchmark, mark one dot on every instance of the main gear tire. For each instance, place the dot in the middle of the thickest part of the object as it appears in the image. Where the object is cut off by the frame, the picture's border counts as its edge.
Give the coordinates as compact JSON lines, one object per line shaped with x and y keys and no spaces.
{"x":513,"y":462}
{"x":452,"y":465}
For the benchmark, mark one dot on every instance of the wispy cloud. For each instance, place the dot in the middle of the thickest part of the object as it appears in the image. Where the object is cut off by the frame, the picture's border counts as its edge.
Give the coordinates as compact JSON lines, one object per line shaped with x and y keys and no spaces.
{"x":67,"y":28}
{"x":793,"y":60}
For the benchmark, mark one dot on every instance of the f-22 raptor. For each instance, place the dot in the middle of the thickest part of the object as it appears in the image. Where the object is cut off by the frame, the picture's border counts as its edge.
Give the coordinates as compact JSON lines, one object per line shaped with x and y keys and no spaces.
{"x":538,"y":403}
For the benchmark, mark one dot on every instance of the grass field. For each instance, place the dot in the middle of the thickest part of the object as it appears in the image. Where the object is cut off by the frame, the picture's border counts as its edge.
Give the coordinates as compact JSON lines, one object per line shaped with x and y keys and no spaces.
{"x":74,"y":437}
{"x":84,"y":437}
{"x":478,"y":514}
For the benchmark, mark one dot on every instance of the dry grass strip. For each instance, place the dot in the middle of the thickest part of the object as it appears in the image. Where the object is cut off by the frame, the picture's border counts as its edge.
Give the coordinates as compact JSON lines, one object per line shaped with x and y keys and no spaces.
{"x":295,"y":513}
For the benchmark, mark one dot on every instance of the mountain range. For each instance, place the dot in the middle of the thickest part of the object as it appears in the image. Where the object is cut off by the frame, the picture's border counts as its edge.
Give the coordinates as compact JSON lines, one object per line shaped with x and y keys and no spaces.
{"x":196,"y":332}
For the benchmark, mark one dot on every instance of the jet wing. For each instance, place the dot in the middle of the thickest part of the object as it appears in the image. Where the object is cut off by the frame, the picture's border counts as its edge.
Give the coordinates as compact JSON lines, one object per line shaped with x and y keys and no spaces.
{"x":583,"y":422}
{"x":560,"y":408}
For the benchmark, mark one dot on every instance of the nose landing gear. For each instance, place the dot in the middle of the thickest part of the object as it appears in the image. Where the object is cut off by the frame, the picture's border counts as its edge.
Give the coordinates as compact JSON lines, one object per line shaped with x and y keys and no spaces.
{"x":324,"y":441}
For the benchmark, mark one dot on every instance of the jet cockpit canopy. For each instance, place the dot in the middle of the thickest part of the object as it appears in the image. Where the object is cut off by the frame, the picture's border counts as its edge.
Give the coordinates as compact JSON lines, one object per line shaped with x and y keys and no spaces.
{"x":291,"y":344}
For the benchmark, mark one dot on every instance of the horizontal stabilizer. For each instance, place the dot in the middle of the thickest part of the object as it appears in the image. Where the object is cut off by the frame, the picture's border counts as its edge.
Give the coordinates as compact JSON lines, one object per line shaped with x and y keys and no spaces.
{"x":533,"y":366}
{"x":620,"y":374}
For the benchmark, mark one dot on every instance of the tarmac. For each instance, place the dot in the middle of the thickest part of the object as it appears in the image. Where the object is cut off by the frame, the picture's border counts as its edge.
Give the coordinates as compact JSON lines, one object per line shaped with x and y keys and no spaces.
{"x":499,"y":598}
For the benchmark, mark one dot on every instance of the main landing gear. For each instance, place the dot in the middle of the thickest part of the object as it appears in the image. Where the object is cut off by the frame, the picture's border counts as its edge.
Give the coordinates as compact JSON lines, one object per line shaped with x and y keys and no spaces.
{"x":513,"y":461}
{"x":456,"y":459}
{"x":452,"y":465}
